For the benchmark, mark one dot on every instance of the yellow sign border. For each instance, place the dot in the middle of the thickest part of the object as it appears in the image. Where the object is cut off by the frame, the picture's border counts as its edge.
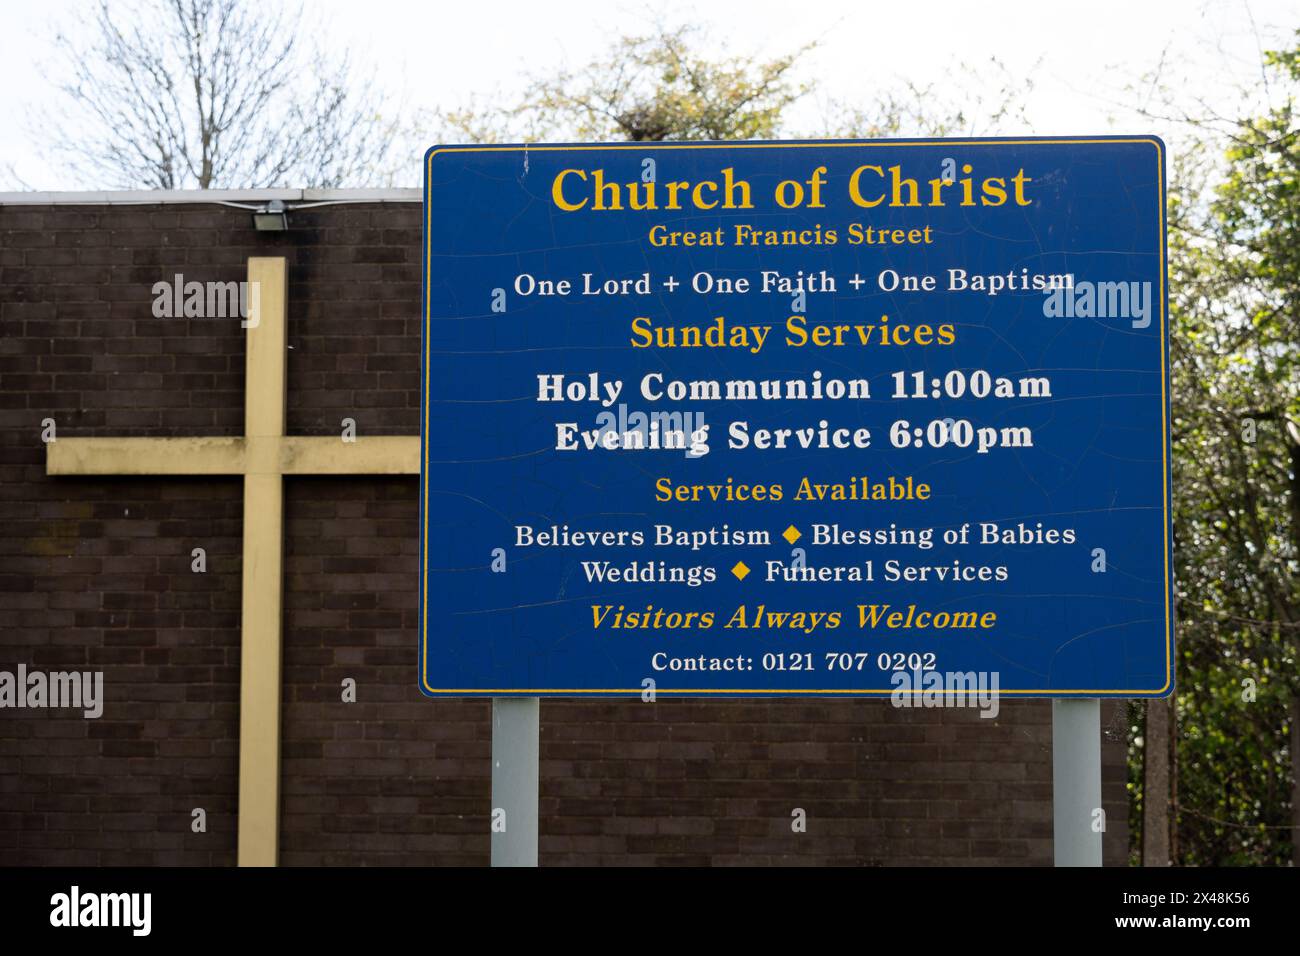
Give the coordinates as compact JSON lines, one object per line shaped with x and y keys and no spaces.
{"x":767,"y":692}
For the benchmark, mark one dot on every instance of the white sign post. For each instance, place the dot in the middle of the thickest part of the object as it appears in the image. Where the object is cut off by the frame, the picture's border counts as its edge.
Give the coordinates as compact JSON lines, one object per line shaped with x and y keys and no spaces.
{"x":1078,"y":823}
{"x":515,"y":750}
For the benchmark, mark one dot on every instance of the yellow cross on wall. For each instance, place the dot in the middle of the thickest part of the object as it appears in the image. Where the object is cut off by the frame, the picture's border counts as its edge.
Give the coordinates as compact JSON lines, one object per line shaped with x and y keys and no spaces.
{"x":263,"y":456}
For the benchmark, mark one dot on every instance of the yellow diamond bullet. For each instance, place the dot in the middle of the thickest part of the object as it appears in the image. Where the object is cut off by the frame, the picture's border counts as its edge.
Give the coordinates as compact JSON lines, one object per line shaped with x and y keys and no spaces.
{"x":740,"y":570}
{"x":792,"y":534}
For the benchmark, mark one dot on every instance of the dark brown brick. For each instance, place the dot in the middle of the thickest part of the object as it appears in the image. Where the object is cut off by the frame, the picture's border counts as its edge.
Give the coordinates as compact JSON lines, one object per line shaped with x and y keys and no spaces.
{"x":96,"y":575}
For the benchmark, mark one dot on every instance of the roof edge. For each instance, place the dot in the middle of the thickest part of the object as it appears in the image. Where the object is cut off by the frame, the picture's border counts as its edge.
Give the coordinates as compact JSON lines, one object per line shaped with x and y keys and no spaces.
{"x":149,"y":196}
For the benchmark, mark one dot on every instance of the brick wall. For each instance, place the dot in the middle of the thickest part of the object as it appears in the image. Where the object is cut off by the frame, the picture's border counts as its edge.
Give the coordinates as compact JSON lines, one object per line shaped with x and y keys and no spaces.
{"x":95,"y":575}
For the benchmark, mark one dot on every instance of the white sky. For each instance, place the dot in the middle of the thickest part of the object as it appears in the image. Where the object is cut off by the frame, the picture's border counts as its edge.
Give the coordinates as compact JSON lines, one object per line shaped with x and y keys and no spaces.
{"x":437,"y":53}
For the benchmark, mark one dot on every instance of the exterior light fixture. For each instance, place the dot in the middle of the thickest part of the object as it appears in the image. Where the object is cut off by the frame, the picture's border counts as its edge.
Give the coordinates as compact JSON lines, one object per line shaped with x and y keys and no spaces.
{"x":273,"y":217}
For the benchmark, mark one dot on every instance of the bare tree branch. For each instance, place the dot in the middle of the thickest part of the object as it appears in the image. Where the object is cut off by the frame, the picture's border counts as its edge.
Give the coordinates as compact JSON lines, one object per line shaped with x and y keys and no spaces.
{"x":176,"y":94}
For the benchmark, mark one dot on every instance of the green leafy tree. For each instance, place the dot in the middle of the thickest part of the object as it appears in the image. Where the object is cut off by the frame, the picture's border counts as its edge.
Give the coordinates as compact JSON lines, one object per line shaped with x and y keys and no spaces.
{"x":978,"y":99}
{"x":661,"y":86}
{"x":646,"y":89}
{"x":1234,"y":246}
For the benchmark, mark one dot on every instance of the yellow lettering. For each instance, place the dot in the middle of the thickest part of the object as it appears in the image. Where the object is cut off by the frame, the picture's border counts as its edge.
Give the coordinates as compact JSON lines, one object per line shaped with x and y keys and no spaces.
{"x":601,"y":186}
{"x":641,"y":328}
{"x":557,"y":191}
{"x":995,"y":191}
{"x":731,"y":186}
{"x":855,"y":192}
{"x":1020,"y":179}
{"x":697,"y":195}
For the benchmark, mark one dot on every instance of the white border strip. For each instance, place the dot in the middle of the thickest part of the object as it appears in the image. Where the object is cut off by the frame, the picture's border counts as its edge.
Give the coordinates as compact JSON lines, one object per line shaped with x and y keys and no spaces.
{"x":137,"y":197}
